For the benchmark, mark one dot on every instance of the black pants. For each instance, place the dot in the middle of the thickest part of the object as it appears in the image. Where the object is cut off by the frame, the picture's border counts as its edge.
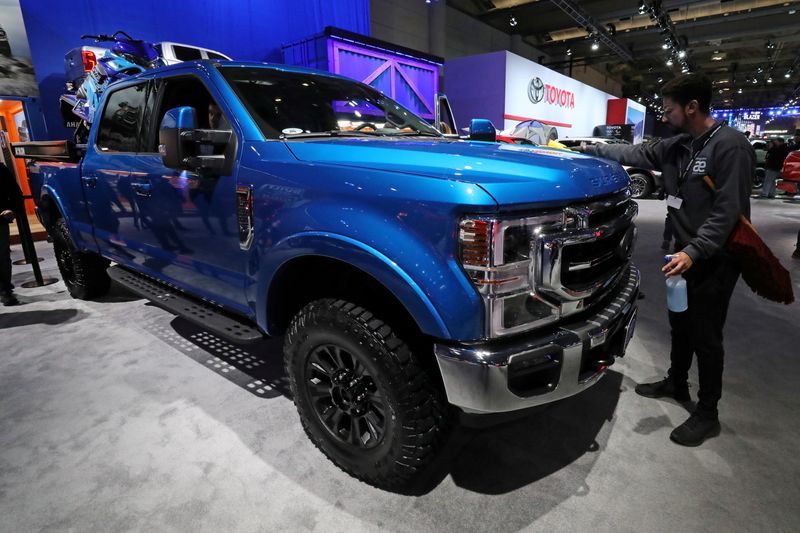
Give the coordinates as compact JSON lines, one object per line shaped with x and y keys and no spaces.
{"x":668,"y":231}
{"x":5,"y":258}
{"x":698,"y":330}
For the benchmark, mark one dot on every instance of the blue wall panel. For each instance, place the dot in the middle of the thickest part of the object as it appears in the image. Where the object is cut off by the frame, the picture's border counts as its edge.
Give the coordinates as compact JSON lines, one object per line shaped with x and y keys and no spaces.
{"x":242,"y":29}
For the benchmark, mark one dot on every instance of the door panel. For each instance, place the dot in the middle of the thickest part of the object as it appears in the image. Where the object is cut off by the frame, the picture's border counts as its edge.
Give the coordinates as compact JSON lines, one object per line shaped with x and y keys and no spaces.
{"x":190,"y":233}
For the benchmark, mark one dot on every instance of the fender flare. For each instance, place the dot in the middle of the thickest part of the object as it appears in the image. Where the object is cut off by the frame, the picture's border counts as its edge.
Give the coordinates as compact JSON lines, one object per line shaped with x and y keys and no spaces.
{"x":359,"y":255}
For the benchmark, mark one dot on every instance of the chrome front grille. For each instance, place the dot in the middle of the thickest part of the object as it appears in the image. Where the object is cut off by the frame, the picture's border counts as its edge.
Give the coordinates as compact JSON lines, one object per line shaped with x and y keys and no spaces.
{"x":583,"y":260}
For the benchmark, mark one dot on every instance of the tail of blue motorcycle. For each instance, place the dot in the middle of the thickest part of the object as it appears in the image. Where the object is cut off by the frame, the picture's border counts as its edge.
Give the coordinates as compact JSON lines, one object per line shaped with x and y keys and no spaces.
{"x":126,"y":57}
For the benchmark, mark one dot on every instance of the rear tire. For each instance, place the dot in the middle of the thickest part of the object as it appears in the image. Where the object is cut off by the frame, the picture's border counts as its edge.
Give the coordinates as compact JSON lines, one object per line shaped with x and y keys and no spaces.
{"x":641,"y":185}
{"x":84,"y":273}
{"x":362,"y":395}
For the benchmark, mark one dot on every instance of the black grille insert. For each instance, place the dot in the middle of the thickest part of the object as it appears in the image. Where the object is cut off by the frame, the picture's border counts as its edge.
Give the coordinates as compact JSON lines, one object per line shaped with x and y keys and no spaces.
{"x":585,"y":264}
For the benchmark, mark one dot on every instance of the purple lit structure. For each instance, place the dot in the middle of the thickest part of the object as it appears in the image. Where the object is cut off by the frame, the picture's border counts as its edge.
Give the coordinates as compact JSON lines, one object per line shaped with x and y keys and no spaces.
{"x":407,"y":76}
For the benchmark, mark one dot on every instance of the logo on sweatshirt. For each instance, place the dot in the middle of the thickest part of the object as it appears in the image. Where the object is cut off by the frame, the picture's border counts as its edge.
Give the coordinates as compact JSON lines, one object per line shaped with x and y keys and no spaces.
{"x":699,"y":166}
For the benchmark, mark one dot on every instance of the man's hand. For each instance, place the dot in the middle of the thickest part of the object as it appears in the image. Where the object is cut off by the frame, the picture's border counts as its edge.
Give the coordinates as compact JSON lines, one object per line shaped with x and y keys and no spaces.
{"x":680,"y":263}
{"x":8,"y":214}
{"x":582,"y":147}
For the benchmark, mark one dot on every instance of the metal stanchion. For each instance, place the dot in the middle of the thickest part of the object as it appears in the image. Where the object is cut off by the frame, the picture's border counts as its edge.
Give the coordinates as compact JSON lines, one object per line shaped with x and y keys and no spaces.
{"x":29,"y":249}
{"x":28,"y":259}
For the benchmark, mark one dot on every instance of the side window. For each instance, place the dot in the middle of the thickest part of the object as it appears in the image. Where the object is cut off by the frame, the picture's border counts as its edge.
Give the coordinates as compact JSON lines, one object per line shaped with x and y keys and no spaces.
{"x":188,"y":91}
{"x":122,"y":119}
{"x":185,"y":53}
{"x":212,"y":55}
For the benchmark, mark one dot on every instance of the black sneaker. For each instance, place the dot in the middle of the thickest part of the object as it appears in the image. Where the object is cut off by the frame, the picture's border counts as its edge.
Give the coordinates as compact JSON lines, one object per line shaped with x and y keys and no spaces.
{"x":664,"y":388}
{"x":8,"y":299}
{"x":695,"y":430}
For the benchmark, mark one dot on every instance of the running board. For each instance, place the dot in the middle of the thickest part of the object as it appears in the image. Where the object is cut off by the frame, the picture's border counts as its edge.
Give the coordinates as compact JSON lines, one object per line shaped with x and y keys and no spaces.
{"x":195,"y":310}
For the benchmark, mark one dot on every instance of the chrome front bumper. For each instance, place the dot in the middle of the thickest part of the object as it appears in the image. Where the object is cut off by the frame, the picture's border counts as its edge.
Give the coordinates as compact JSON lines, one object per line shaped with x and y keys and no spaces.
{"x":495,"y":377}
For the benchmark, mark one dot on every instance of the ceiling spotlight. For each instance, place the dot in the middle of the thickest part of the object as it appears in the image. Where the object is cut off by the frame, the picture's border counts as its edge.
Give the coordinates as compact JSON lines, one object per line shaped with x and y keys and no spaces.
{"x":684,"y":70}
{"x":788,"y":74}
{"x":669,"y":62}
{"x":595,"y":45}
{"x":512,"y":21}
{"x":755,"y":80}
{"x":760,"y":70}
{"x":769,"y":80}
{"x":660,"y":79}
{"x":739,"y":91}
{"x":642,"y":7}
{"x":569,"y":51}
{"x":682,"y":54}
{"x":665,"y":46}
{"x":770,"y":45}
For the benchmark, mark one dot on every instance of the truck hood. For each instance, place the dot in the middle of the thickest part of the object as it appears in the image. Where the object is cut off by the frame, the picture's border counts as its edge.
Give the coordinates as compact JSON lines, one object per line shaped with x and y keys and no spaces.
{"x":512,"y":174}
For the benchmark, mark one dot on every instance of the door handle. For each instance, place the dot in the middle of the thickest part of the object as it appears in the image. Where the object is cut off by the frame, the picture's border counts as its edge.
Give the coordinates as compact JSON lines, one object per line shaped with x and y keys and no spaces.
{"x":90,"y":181}
{"x":142,"y":189}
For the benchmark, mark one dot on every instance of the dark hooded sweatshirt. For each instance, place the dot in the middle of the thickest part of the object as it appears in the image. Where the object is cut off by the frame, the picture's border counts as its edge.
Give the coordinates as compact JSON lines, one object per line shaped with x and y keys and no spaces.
{"x":10,"y":195}
{"x":705,"y":218}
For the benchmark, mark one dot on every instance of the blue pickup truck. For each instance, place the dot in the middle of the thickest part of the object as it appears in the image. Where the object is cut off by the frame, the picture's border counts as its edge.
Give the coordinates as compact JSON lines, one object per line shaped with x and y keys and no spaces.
{"x":413,"y":276}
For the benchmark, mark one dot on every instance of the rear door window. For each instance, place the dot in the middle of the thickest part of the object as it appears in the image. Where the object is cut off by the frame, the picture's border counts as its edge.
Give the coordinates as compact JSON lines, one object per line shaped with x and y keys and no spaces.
{"x":122,"y":120}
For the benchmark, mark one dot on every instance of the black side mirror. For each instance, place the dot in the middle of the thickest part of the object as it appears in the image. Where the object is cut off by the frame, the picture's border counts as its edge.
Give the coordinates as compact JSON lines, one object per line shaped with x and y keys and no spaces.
{"x":481,"y":129}
{"x":182,"y":146}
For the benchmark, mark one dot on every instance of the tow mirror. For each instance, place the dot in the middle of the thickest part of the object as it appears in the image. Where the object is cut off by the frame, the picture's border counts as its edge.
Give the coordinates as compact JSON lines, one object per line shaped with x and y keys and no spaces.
{"x":481,"y":129}
{"x":174,"y":123}
{"x":184,"y":147}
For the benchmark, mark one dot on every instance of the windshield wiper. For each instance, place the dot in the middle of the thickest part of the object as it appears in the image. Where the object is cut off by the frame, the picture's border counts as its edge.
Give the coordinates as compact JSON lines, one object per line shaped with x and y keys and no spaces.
{"x":331,"y":133}
{"x":417,"y":134}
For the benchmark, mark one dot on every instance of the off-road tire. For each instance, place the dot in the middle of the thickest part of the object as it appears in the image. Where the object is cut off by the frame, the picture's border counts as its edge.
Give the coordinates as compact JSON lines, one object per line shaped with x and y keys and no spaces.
{"x":84,"y":273}
{"x":641,"y":185}
{"x":416,"y":421}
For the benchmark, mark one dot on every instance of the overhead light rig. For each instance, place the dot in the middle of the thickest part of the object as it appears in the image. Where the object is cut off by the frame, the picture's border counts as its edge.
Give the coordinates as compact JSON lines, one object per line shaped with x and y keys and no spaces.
{"x":594,"y":30}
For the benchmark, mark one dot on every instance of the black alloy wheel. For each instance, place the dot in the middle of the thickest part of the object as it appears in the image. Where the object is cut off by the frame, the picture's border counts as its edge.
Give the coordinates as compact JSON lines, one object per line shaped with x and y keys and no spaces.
{"x":364,"y":398}
{"x":344,"y":397}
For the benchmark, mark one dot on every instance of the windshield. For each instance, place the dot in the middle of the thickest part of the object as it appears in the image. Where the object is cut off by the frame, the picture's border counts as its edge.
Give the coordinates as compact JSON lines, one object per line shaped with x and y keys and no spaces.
{"x":295,"y":104}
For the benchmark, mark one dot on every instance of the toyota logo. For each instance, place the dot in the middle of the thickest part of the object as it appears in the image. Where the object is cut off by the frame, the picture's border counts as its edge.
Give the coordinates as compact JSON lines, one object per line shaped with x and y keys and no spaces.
{"x":536,"y":90}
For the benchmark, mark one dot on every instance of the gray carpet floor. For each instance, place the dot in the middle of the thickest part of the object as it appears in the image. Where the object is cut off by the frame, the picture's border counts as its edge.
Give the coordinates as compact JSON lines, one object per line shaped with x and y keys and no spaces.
{"x":117,"y":416}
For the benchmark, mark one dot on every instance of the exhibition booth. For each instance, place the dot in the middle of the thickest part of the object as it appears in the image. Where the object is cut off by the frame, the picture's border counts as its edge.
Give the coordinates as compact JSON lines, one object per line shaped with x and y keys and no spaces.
{"x":508,"y":89}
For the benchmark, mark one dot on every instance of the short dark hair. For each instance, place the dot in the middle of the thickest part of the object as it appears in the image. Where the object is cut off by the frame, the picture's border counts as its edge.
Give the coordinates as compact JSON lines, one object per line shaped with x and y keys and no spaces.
{"x":687,"y":87}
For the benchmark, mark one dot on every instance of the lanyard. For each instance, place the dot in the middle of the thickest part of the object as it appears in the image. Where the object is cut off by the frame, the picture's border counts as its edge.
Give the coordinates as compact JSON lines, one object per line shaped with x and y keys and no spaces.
{"x":682,"y":177}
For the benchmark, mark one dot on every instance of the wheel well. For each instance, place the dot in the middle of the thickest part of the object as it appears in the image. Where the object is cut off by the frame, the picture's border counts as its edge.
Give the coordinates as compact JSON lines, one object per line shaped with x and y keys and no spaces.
{"x":309,"y":278}
{"x":48,"y":211}
{"x":305,"y":279}
{"x":640,"y":171}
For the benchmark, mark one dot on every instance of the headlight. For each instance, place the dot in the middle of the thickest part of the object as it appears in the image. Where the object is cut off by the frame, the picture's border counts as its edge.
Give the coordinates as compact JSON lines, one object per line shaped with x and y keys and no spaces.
{"x":499,"y":256}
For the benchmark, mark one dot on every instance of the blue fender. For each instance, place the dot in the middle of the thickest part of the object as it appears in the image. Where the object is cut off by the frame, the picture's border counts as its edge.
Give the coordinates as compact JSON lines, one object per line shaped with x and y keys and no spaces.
{"x":361,"y":256}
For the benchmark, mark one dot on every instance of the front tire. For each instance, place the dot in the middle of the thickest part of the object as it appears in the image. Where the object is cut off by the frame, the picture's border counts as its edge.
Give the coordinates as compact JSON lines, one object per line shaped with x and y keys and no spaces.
{"x":363,"y":398}
{"x":84,"y":273}
{"x":641,"y":185}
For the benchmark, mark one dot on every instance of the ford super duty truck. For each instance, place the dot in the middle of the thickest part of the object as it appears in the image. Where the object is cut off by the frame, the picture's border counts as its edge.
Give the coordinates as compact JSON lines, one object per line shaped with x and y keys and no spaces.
{"x":412,"y":275}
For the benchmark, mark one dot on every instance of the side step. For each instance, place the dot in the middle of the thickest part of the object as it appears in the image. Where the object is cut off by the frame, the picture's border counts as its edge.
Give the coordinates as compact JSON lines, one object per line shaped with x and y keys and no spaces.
{"x":193,"y":309}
